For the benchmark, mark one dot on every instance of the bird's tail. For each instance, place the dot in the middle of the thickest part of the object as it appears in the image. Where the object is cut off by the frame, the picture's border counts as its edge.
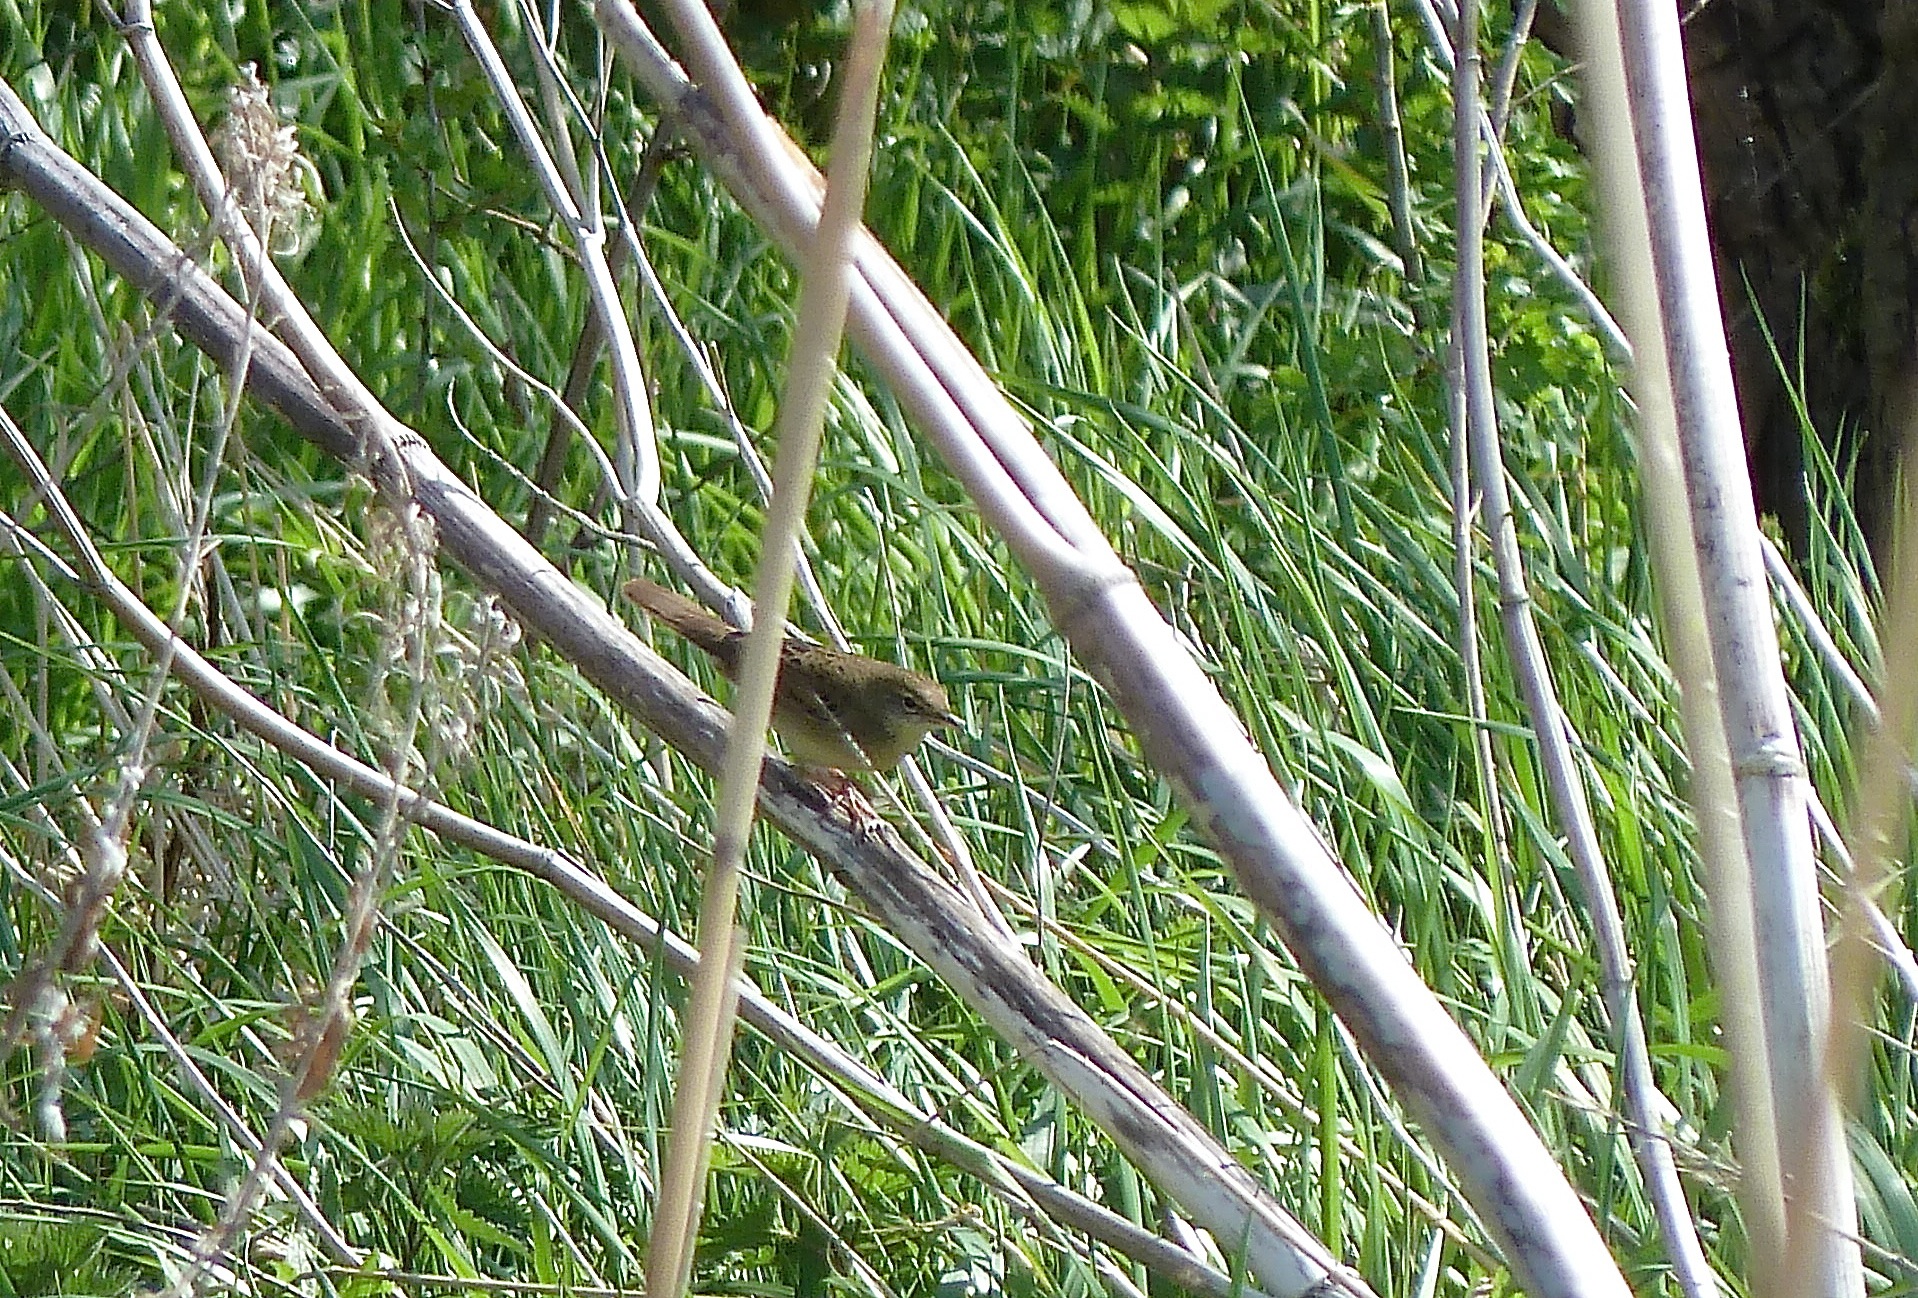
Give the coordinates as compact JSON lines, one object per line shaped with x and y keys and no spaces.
{"x":684,"y":616}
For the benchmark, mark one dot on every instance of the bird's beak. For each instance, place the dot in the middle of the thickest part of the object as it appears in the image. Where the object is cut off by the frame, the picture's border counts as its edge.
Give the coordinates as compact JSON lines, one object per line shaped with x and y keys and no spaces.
{"x":951,"y":721}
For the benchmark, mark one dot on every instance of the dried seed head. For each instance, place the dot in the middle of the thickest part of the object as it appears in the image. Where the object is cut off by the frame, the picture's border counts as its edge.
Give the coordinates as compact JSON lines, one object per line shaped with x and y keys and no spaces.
{"x":268,"y":178}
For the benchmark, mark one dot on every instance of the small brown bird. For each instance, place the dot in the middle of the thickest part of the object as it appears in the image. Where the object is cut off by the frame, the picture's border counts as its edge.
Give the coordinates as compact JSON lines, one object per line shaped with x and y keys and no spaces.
{"x":835,"y":711}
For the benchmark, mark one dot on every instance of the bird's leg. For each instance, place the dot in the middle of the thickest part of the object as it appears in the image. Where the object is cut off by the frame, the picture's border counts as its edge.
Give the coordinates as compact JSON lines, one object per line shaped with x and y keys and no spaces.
{"x":845,"y":797}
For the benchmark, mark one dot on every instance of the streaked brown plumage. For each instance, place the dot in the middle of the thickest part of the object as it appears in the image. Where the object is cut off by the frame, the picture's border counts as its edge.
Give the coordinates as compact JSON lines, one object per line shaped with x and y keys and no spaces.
{"x":835,"y":711}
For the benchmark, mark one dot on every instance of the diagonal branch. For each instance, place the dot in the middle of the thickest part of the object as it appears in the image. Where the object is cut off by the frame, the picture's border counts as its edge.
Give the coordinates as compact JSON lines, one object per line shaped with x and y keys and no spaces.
{"x":1188,"y":732}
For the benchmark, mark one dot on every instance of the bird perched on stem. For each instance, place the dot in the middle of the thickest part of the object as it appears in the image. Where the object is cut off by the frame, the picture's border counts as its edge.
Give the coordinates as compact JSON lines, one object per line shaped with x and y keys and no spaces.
{"x":834,"y":710}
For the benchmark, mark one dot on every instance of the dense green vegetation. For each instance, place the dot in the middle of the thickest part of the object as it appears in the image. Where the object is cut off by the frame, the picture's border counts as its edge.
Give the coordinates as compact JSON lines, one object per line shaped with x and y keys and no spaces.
{"x":1165,"y":229}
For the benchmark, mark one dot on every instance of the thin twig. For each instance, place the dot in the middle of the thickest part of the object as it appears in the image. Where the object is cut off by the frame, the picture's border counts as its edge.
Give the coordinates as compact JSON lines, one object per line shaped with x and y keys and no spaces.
{"x":1506,"y":77}
{"x":1472,"y":374}
{"x":1398,"y":175}
{"x":1822,"y":1256}
{"x":802,"y":415}
{"x":1498,"y":174}
{"x":1714,"y":789}
{"x":637,"y":459}
{"x":579,"y":374}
